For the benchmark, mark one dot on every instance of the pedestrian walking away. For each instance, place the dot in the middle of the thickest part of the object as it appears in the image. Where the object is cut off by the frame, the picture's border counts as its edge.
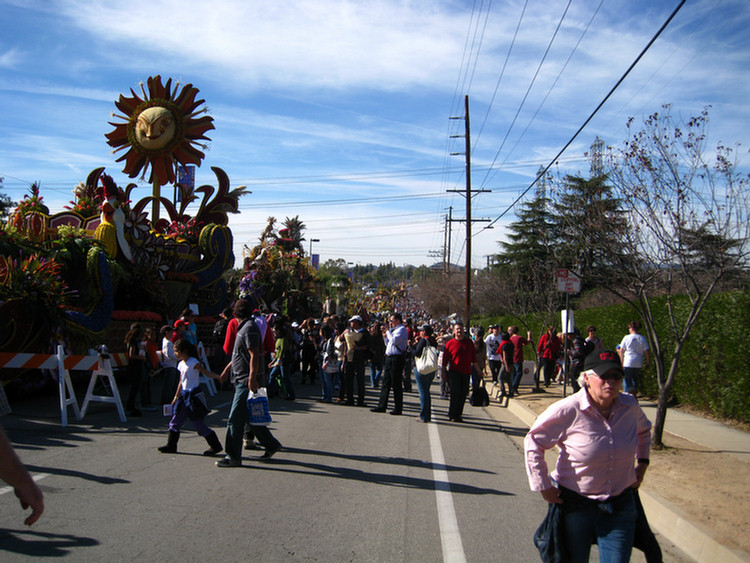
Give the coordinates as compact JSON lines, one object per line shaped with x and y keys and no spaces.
{"x":246,"y":371}
{"x":635,"y":355}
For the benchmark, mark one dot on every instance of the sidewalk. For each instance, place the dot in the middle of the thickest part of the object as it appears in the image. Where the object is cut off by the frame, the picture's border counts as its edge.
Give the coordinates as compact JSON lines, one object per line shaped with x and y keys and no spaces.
{"x":693,"y":538}
{"x":704,"y":431}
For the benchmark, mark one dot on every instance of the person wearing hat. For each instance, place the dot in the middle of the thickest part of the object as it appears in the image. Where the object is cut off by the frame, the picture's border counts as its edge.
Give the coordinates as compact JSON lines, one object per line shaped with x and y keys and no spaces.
{"x":180,"y":328}
{"x":604,"y":442}
{"x":191,"y":330}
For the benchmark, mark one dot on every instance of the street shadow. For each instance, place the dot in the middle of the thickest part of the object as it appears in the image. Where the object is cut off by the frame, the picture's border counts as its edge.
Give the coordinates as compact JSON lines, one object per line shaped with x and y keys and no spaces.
{"x":28,"y":434}
{"x":518,"y":431}
{"x":104,"y":480}
{"x":41,"y":544}
{"x":392,"y":478}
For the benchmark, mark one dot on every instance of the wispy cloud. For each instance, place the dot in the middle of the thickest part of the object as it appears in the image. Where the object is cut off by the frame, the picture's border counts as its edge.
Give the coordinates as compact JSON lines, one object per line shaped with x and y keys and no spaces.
{"x":383,"y":44}
{"x":10,"y":59}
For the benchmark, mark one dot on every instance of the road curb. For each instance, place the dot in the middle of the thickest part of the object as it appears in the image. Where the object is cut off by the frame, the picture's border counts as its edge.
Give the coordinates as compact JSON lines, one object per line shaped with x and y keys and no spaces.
{"x":669,"y":520}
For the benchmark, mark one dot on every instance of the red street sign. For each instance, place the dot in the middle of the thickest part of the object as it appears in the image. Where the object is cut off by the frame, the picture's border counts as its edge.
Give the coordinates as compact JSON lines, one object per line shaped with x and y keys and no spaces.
{"x":568,"y":281}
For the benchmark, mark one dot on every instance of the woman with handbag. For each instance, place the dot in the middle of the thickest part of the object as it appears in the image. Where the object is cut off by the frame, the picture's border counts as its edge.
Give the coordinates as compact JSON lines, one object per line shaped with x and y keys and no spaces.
{"x":425,"y":368}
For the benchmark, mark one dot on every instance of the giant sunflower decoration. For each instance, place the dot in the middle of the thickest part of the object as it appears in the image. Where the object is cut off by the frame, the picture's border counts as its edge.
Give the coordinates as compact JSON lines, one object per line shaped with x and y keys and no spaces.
{"x":161,"y":129}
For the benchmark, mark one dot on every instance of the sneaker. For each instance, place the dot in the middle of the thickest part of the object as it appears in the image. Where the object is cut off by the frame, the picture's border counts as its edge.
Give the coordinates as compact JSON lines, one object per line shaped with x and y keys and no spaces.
{"x":228,"y":462}
{"x":150,"y":408}
{"x":249,"y":445}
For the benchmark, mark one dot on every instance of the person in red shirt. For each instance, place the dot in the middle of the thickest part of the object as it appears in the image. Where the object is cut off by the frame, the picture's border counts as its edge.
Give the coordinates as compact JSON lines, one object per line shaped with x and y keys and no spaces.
{"x":518,"y":343}
{"x":459,"y":358}
{"x":549,"y":350}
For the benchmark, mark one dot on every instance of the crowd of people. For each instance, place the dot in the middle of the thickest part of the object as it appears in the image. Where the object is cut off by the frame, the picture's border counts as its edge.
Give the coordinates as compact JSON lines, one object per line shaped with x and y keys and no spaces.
{"x":601,"y":432}
{"x":342,"y":355}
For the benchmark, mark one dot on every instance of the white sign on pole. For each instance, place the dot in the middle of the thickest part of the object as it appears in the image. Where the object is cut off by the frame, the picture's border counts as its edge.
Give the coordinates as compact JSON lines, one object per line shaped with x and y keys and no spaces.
{"x":568,"y":281}
{"x":568,"y":321}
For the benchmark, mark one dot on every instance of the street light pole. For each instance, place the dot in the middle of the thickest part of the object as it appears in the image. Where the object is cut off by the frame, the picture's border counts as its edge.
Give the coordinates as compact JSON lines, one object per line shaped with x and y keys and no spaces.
{"x":312,"y":240}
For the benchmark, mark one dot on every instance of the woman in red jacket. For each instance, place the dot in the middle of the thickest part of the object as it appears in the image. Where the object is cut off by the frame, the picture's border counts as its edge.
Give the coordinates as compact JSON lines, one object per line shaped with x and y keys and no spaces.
{"x":549,"y":350}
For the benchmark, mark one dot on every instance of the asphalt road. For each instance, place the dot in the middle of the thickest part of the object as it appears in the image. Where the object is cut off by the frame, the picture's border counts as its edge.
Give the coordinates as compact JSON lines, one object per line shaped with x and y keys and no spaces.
{"x":349,"y":485}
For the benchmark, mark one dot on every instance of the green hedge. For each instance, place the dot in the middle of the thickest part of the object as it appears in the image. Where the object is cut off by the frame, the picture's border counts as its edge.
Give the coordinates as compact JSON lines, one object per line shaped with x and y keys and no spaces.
{"x":713,"y":374}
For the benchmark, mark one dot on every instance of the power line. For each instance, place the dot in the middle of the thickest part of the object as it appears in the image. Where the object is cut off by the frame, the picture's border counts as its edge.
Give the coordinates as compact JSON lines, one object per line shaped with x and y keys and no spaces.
{"x":502,"y":72}
{"x":528,"y":91}
{"x":590,"y":117}
{"x":347,"y":201}
{"x":552,"y":87}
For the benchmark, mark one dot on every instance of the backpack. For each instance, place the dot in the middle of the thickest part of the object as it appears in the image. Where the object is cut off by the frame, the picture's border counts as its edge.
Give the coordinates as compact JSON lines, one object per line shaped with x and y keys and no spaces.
{"x":479,"y":397}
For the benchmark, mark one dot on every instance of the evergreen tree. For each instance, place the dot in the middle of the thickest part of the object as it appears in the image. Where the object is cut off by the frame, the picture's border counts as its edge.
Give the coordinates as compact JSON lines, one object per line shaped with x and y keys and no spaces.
{"x":588,"y":219}
{"x":528,"y":254}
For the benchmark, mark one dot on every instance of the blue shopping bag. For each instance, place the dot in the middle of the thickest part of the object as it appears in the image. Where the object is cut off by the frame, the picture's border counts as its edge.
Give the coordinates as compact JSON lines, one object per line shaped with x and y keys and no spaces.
{"x":257,"y":406}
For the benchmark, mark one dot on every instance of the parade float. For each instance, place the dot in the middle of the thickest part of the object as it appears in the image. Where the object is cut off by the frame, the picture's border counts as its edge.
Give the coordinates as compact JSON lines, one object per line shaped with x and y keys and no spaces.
{"x":70,"y":276}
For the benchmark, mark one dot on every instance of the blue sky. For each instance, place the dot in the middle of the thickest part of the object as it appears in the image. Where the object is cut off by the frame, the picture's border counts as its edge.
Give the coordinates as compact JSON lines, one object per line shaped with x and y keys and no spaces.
{"x":338,"y":111}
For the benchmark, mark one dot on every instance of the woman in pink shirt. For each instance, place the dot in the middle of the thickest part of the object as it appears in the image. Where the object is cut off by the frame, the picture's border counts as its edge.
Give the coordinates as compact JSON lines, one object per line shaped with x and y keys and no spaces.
{"x":604,"y":441}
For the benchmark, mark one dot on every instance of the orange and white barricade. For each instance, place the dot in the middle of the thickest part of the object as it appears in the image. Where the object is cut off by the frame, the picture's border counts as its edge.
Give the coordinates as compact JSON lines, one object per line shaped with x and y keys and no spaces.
{"x":103,"y":371}
{"x":63,"y":363}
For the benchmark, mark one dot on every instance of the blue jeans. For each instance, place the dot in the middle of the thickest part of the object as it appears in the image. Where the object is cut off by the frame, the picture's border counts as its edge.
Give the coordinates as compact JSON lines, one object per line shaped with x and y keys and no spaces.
{"x":326,"y":379}
{"x":238,"y":417}
{"x":630,"y":381}
{"x":285,"y":376}
{"x":611,"y":524}
{"x":425,"y":401}
{"x":517,"y":375}
{"x":376,"y":370}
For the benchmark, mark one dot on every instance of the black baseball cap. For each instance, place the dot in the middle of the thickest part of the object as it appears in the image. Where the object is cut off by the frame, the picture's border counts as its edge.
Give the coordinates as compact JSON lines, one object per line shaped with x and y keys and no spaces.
{"x":602,"y":361}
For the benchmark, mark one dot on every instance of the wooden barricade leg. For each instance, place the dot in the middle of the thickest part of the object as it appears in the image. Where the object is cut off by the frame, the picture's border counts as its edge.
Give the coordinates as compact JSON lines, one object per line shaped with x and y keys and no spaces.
{"x":67,"y":393}
{"x":104,"y":371}
{"x":210,"y":385}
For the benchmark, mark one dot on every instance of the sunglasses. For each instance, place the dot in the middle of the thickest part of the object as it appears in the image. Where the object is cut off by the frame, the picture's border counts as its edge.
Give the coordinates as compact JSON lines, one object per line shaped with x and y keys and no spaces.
{"x":612,"y":375}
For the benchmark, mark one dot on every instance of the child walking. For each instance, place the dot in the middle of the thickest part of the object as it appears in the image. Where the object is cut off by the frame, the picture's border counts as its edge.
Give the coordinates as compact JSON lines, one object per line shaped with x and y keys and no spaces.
{"x":187,"y":400}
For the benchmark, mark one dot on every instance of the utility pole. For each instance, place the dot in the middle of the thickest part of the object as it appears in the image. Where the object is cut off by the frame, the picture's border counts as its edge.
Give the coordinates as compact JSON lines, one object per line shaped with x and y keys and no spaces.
{"x":468,"y":194}
{"x":448,"y":235}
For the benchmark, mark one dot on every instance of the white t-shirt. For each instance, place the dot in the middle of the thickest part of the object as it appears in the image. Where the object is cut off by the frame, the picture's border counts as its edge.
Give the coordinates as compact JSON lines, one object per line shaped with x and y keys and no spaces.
{"x":633,"y":346}
{"x":493,"y":346}
{"x":189,"y":376}
{"x":168,"y":359}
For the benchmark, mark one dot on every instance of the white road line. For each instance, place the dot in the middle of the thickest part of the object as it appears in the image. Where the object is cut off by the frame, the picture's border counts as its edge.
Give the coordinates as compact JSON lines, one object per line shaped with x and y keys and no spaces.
{"x":453,"y":547}
{"x":37,"y":477}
